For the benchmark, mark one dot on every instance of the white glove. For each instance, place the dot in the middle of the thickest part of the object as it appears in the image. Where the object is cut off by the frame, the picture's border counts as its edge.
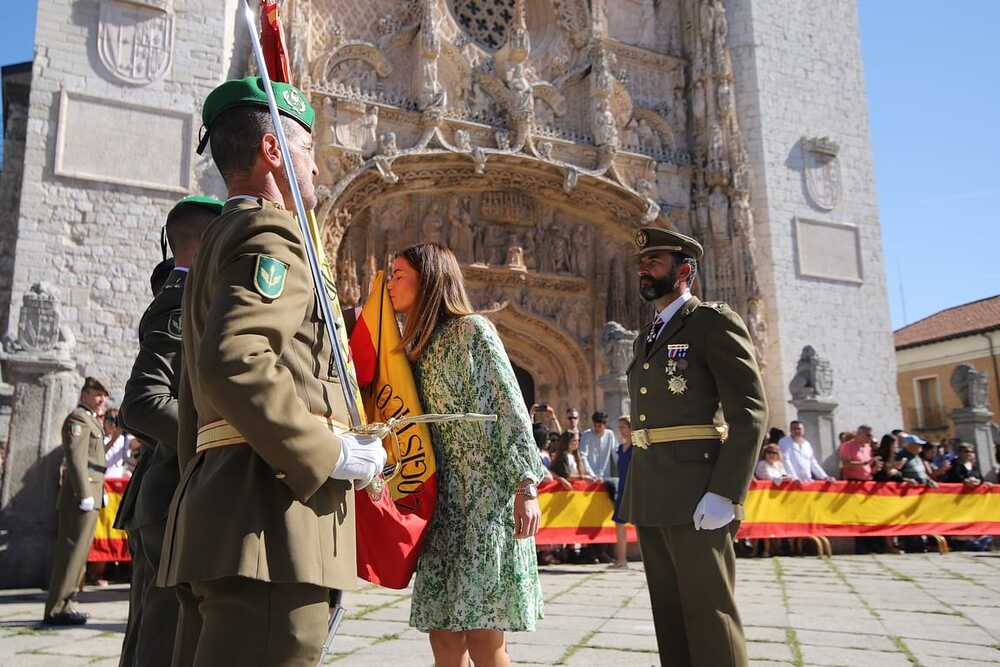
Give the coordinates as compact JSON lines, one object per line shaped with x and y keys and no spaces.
{"x":87,"y":504}
{"x":362,"y":457}
{"x":713,"y":512}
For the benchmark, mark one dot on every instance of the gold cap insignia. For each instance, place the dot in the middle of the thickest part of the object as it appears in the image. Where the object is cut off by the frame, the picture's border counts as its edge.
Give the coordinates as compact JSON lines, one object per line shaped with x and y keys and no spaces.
{"x":641,"y":239}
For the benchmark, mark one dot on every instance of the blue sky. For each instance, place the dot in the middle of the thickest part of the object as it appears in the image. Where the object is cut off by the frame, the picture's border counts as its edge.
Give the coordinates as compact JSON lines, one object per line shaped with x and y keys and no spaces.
{"x":934,"y":102}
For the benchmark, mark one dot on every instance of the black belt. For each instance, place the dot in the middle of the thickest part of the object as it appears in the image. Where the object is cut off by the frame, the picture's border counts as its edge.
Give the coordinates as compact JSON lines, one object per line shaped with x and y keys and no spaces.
{"x":100,"y":469}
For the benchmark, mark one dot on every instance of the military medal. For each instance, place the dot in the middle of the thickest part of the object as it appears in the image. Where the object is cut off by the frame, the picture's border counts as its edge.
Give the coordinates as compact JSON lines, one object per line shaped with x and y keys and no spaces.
{"x":677,"y":384}
{"x":671,"y":366}
{"x":677,"y":350}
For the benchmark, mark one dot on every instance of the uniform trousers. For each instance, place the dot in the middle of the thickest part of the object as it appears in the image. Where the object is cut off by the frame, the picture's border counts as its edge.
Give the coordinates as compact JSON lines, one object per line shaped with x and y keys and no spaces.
{"x":75,"y":533}
{"x":137,"y":587}
{"x":691,"y":576}
{"x":158,"y":622}
{"x":251,"y":623}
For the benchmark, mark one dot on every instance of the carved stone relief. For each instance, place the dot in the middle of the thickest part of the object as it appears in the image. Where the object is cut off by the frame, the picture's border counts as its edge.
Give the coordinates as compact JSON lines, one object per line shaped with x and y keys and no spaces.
{"x":135,"y":39}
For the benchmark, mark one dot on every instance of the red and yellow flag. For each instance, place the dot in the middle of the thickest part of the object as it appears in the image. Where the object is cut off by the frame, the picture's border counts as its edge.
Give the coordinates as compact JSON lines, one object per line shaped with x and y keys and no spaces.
{"x":272,"y":41}
{"x":390,"y":532}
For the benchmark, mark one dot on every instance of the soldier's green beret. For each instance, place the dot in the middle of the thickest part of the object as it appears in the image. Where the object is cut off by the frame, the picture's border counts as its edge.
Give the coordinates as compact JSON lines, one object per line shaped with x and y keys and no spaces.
{"x":210,"y":204}
{"x":655,"y":239}
{"x":292,"y":102}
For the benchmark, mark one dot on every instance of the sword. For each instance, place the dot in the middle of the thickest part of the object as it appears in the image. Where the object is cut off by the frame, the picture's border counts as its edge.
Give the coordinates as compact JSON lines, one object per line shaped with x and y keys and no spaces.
{"x":347,"y":379}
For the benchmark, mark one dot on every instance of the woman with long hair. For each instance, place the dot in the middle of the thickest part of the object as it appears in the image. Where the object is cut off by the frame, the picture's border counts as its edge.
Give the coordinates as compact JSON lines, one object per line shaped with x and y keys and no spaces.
{"x":477,"y":576}
{"x":567,"y":461}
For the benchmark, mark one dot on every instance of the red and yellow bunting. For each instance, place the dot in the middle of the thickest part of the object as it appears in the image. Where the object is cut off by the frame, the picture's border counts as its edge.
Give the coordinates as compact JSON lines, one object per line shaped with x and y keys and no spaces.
{"x":848,"y":509}
{"x":578,"y":516}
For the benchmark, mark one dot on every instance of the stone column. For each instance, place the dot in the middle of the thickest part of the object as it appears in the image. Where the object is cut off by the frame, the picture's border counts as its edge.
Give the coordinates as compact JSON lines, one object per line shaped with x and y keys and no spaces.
{"x":812,"y":389}
{"x":46,"y":388}
{"x":616,"y":343}
{"x":973,"y":419}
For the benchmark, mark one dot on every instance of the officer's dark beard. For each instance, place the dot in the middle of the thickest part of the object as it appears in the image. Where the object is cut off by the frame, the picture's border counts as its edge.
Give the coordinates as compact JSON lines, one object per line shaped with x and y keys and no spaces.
{"x":651,"y":288}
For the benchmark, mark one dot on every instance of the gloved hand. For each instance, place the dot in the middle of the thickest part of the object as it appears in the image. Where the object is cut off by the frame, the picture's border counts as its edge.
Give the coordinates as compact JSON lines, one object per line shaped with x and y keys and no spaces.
{"x":713,"y":512}
{"x":362,"y":457}
{"x":87,"y":504}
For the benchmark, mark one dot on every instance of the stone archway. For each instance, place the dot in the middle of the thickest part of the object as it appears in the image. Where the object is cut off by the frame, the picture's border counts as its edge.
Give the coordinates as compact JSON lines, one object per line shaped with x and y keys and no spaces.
{"x":559,"y":366}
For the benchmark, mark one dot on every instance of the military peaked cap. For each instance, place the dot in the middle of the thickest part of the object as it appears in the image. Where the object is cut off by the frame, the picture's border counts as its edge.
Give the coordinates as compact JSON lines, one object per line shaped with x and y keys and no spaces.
{"x":655,"y":239}
{"x":93,"y":385}
{"x":292,"y":102}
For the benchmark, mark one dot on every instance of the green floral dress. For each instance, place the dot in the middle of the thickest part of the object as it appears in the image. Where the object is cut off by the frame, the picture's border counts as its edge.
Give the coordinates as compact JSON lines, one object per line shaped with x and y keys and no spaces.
{"x":472,"y":573}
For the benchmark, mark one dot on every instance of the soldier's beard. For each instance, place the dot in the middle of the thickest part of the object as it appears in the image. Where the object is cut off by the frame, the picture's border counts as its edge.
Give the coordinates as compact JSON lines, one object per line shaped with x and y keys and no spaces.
{"x":651,"y":288}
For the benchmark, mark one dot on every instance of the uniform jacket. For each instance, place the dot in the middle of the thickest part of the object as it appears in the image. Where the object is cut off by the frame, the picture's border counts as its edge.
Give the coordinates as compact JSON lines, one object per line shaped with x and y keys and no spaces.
{"x":718,"y":370}
{"x":149,"y":405}
{"x":83,"y":455}
{"x":267,"y":510}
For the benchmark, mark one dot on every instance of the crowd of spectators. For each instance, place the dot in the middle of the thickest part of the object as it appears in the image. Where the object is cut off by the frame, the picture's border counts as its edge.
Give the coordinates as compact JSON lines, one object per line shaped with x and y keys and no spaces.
{"x":898,"y":457}
{"x":591,"y":455}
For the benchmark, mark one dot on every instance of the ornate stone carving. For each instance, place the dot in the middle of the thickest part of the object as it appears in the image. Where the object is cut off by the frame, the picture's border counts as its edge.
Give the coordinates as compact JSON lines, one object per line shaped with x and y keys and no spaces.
{"x":616,"y":344}
{"x":821,"y":169}
{"x":972,"y":387}
{"x":38,"y":327}
{"x":135,"y":39}
{"x":431,"y":96}
{"x":813,"y":377}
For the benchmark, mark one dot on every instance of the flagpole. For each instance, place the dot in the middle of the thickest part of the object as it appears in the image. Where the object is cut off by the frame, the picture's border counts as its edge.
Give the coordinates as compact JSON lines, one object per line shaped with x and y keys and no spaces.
{"x":347,"y":381}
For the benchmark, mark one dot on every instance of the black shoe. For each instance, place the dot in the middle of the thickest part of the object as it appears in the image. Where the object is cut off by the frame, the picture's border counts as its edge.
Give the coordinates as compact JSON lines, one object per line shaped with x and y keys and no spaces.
{"x":66,"y":618}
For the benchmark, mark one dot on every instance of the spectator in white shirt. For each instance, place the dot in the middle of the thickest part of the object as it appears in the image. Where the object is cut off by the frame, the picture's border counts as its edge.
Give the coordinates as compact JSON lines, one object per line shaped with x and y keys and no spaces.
{"x":771,"y":467}
{"x":798,"y":455}
{"x":600,"y":447}
{"x":116,"y":446}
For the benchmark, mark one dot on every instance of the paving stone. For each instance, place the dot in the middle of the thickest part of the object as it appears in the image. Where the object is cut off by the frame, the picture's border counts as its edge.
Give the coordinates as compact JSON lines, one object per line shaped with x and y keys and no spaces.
{"x":949,"y":649}
{"x":365,"y":628}
{"x":768,"y":651}
{"x":875,"y":642}
{"x":593,"y":656}
{"x":621,"y":641}
{"x":757,"y":633}
{"x":851,"y":657}
{"x":536,"y":653}
{"x":94,"y":647}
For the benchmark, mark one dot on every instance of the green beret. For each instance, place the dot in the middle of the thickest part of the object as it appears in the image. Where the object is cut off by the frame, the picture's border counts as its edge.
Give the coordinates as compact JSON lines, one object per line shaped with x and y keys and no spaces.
{"x":655,"y":239}
{"x":292,"y":102}
{"x":211,"y":204}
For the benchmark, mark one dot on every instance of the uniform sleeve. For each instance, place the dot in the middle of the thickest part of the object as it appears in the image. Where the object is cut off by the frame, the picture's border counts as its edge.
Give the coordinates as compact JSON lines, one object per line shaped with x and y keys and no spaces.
{"x":244,"y":338}
{"x":187,"y":421}
{"x":732,"y":361}
{"x":149,"y":405}
{"x":494,"y":390}
{"x":76,"y":440}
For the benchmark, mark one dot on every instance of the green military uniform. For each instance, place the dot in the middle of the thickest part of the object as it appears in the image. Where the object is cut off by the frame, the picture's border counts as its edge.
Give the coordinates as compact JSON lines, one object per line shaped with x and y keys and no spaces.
{"x":142,"y":578}
{"x":83,"y":477}
{"x":702,"y":360}
{"x":149,"y":410}
{"x":258,"y":532}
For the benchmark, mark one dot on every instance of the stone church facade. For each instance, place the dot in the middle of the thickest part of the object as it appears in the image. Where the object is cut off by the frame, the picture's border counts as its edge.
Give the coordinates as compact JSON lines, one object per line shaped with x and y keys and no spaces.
{"x":534,"y":137}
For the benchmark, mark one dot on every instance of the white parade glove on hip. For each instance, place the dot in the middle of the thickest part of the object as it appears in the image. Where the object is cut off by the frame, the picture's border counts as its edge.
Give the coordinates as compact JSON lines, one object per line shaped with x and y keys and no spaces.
{"x":362,"y":457}
{"x":87,"y":504}
{"x":713,"y":512}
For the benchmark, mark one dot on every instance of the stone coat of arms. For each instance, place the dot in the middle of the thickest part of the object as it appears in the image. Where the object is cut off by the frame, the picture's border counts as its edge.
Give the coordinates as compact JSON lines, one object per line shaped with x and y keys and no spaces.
{"x":822,"y":172}
{"x":135,"y":39}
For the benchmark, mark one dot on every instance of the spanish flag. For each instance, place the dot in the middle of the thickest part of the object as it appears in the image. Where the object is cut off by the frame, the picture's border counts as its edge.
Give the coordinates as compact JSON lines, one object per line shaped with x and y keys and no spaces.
{"x":390,"y":531}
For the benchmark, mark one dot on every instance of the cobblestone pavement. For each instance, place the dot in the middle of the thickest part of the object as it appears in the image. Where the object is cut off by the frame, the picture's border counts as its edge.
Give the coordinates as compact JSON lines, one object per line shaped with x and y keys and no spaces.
{"x":855,"y":611}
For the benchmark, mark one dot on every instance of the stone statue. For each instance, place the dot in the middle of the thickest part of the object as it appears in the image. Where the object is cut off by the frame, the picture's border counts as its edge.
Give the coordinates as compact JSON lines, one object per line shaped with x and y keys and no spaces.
{"x":545,"y":150}
{"x":369,"y":131}
{"x":972,"y":387}
{"x":433,"y":225}
{"x":678,"y":112}
{"x":432,"y":95}
{"x":616,"y":344}
{"x":523,"y":106}
{"x":515,"y":258}
{"x":604,"y":127}
{"x":813,"y":377}
{"x":503,"y":140}
{"x":463,"y":141}
{"x":460,"y":232}
{"x":388,"y":146}
{"x":718,"y":211}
